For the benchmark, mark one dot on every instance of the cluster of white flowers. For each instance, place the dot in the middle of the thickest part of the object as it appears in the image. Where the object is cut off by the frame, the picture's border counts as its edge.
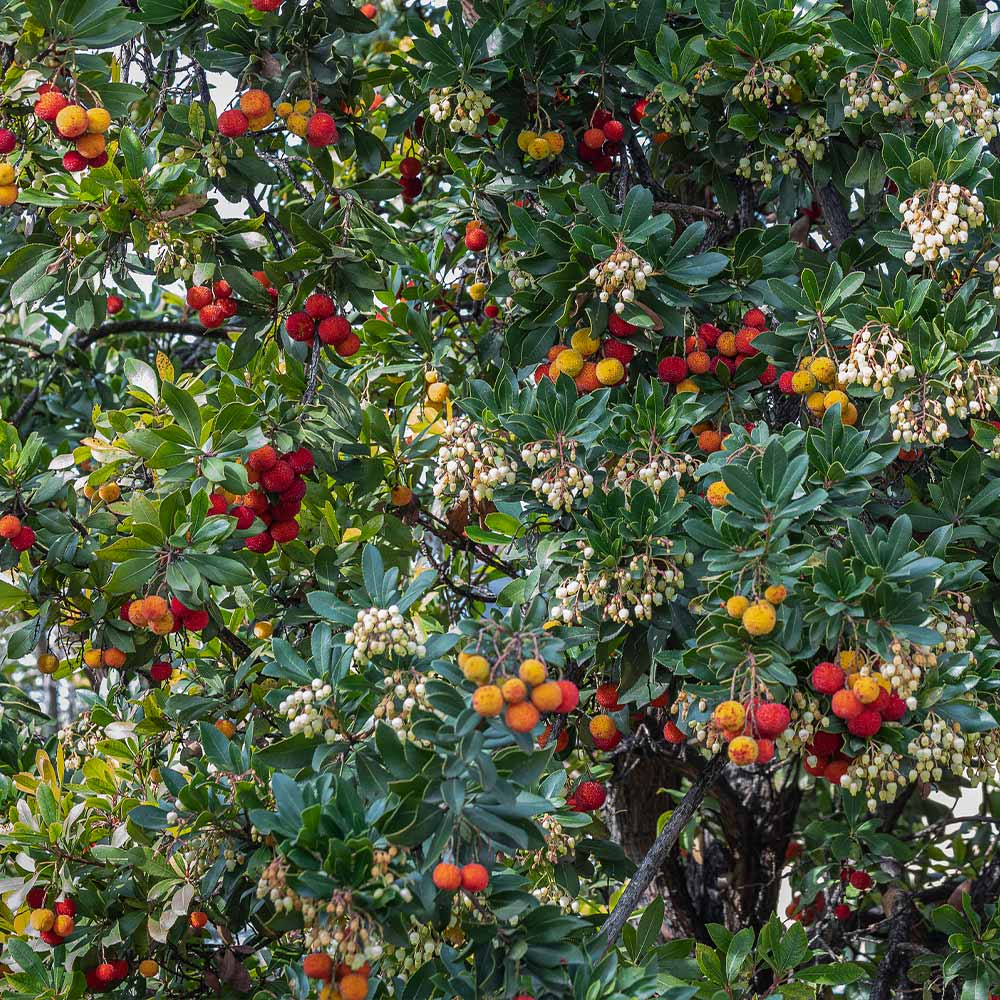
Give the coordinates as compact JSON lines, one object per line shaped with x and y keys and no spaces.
{"x":382,"y":632}
{"x":972,"y":391}
{"x":403,"y":694}
{"x":805,"y":140}
{"x":956,"y":628}
{"x":423,"y":943}
{"x":651,"y":470}
{"x":939,"y":219}
{"x":620,"y":277}
{"x":765,"y":85}
{"x":918,"y":420}
{"x":625,"y":594}
{"x":968,"y":105}
{"x":559,"y":480}
{"x":467,"y":468}
{"x":878,"y":359}
{"x":463,"y":108}
{"x":761,"y":169}
{"x":307,"y":713}
{"x":885,"y":94}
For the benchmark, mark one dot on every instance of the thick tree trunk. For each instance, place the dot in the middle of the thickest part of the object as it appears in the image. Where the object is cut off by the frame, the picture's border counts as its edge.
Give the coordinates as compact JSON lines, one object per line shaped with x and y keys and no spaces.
{"x":732,"y":873}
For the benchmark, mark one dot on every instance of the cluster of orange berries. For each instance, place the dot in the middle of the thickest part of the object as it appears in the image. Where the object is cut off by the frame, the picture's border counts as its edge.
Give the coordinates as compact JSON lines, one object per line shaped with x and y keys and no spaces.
{"x":751,"y":729}
{"x":351,"y":984}
{"x":525,"y":696}
{"x":473,"y":877}
{"x":84,"y":126}
{"x":12,"y":530}
{"x":815,"y":379}
{"x":710,"y":349}
{"x":589,"y":361}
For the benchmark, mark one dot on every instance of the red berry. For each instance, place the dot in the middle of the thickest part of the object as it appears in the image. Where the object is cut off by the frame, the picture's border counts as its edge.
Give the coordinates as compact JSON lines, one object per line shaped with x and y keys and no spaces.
{"x":115,"y":304}
{"x":673,"y":734}
{"x":294,"y":492}
{"x":222,"y":289}
{"x":768,"y":375}
{"x":8,"y":141}
{"x":105,"y":973}
{"x":672,"y":370}
{"x":587,"y":154}
{"x":195,"y":621}
{"x":785,"y":383}
{"x":120,"y":967}
{"x":319,"y":306}
{"x":594,"y":138}
{"x":233,"y":123}
{"x":23,"y":540}
{"x":263,"y":459}
{"x":369,"y":10}
{"x":349,"y":346}
{"x":244,"y":517}
{"x":590,"y":796}
{"x":824,"y":744}
{"x":571,"y":697}
{"x":771,"y":719}
{"x":607,"y":696}
{"x":301,"y":460}
{"x":827,"y":678}
{"x":333,"y":329}
{"x":36,"y":897}
{"x":603,"y":164}
{"x":300,"y":326}
{"x":476,"y":240}
{"x":160,"y":672}
{"x":321,"y":130}
{"x":895,"y":709}
{"x":285,"y":511}
{"x":212,"y":316}
{"x":619,"y":327}
{"x":638,"y":110}
{"x":265,"y":6}
{"x":217,"y":504}
{"x":278,"y":478}
{"x":411,"y":186}
{"x":97,"y":161}
{"x":755,"y":318}
{"x":409,"y":167}
{"x":285,"y":531}
{"x":199,"y":296}
{"x":492,"y":311}
{"x":865,"y":724}
{"x":862,"y":881}
{"x":447,"y":877}
{"x":842,"y":911}
{"x":600,"y":118}
{"x":51,"y":938}
{"x":614,"y":130}
{"x":475,"y":877}
{"x":74,"y":162}
{"x":621,"y":352}
{"x":260,"y":543}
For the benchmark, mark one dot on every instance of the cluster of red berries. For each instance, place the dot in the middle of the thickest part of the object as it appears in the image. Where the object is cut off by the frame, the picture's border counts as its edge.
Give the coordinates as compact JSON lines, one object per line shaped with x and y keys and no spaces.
{"x":177,"y":616}
{"x":588,"y":797}
{"x":214,"y":303}
{"x":266,"y":6}
{"x":860,"y":880}
{"x":409,"y":179}
{"x":12,"y":530}
{"x":806,"y":914}
{"x":317,"y":318}
{"x":472,"y":877}
{"x":476,"y":237}
{"x":602,"y":142}
{"x":862,"y":702}
{"x":85,"y":127}
{"x":751,"y":728}
{"x":277,"y":503}
{"x":102,"y":977}
{"x":710,"y":349}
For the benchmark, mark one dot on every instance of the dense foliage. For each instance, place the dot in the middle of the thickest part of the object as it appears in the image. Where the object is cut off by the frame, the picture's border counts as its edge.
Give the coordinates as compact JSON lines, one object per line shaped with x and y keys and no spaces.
{"x":496,"y":498}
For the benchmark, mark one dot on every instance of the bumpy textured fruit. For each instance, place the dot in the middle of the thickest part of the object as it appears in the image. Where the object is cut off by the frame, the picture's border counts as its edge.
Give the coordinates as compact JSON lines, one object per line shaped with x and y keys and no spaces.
{"x":42,"y":920}
{"x":729,"y":715}
{"x":743,"y":751}
{"x":48,"y":106}
{"x":255,"y":102}
{"x":555,"y":142}
{"x":867,"y":689}
{"x":845,"y":704}
{"x":823,"y":370}
{"x":827,"y":678}
{"x":570,"y":696}
{"x":803,"y":383}
{"x":672,"y":370}
{"x":475,"y":877}
{"x":522,"y":716}
{"x":321,"y":130}
{"x":610,"y":371}
{"x":590,"y":795}
{"x":718,"y":493}
{"x":673,"y":734}
{"x":475,"y":667}
{"x":584,"y":341}
{"x":447,"y":877}
{"x":525,"y":138}
{"x":353,"y":987}
{"x":8,"y":141}
{"x":602,"y":727}
{"x":538,"y":149}
{"x":547,"y":697}
{"x":98,"y":120}
{"x":865,"y":724}
{"x":775,"y":594}
{"x":569,"y":362}
{"x":233,"y":123}
{"x":760,"y":618}
{"x":532,"y":671}
{"x":488,"y":700}
{"x":771,"y":719}
{"x":10,"y":525}
{"x":514,"y":690}
{"x":71,"y":121}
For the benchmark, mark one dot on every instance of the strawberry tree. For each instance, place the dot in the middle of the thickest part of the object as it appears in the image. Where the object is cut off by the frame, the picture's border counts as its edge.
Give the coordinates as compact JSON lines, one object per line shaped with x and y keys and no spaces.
{"x":498,"y":499}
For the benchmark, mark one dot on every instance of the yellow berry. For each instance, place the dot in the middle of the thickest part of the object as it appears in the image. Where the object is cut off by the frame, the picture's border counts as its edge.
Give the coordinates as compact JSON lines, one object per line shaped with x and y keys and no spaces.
{"x":538,"y":149}
{"x":477,"y":291}
{"x":760,"y":618}
{"x":610,"y":371}
{"x":867,"y":689}
{"x":736,"y":605}
{"x":555,"y":141}
{"x":525,"y":139}
{"x":803,"y":382}
{"x":532,"y":671}
{"x":488,"y":700}
{"x":584,"y":341}
{"x":98,"y":120}
{"x":718,"y":494}
{"x":475,"y":668}
{"x":823,"y":370}
{"x":729,"y":715}
{"x":775,"y":594}
{"x":569,"y":362}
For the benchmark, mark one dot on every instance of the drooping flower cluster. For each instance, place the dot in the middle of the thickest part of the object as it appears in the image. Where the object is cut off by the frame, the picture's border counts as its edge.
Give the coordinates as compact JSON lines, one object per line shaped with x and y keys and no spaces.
{"x":467,"y":467}
{"x":940,"y":218}
{"x":872,"y":88}
{"x":620,"y":276}
{"x":382,"y":632}
{"x":404,"y":693}
{"x":968,"y":105}
{"x":463,"y":108}
{"x":308,"y":713}
{"x":652,"y":470}
{"x":878,"y":359}
{"x":558,"y":480}
{"x":627,"y":593}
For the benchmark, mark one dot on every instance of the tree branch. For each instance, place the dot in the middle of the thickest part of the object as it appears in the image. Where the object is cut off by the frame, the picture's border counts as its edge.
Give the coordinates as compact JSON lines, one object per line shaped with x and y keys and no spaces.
{"x":234,"y":643}
{"x":654,"y":858}
{"x":85,"y":339}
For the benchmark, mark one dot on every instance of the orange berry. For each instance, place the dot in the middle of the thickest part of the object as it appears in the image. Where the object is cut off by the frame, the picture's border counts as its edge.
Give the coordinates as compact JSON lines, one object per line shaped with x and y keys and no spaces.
{"x":9,"y":526}
{"x":447,"y":877}
{"x":547,"y":697}
{"x":255,"y":103}
{"x":488,"y":700}
{"x":514,"y":690}
{"x":353,"y":987}
{"x":113,"y":657}
{"x":71,"y":121}
{"x":522,"y":717}
{"x":90,"y":145}
{"x":602,"y":727}
{"x":318,"y":965}
{"x":198,"y":919}
{"x":710,"y":441}
{"x":226,"y":728}
{"x":698,"y":362}
{"x":154,"y":606}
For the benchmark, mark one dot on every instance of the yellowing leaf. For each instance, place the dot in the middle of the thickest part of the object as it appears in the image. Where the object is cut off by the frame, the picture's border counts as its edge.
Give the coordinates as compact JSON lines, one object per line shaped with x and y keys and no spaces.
{"x":163,"y":367}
